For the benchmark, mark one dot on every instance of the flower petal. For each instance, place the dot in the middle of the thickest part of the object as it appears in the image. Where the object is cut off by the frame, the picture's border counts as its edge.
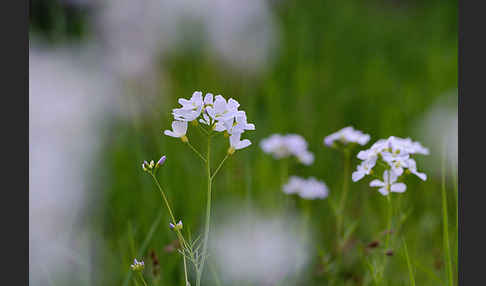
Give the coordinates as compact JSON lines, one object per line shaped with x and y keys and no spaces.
{"x":377,"y":183}
{"x":398,"y":187}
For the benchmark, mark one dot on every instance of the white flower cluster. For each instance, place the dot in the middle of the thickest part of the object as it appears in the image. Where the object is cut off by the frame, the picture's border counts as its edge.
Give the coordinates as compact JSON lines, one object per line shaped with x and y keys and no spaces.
{"x":310,"y":188}
{"x":347,"y":135}
{"x":394,"y":153}
{"x":282,"y":146}
{"x":216,"y":112}
{"x":137,"y":265}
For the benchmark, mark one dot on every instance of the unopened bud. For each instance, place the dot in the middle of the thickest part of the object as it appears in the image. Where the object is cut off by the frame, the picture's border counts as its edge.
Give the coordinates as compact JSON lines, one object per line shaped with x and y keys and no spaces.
{"x":161,"y":161}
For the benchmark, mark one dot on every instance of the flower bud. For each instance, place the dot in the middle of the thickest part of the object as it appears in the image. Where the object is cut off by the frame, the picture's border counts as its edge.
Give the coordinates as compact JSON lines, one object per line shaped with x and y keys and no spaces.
{"x":161,"y":161}
{"x":177,"y":226}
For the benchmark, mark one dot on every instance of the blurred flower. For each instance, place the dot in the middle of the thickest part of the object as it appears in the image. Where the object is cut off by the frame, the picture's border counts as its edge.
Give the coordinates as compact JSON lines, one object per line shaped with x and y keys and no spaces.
{"x":72,"y":100}
{"x":137,"y":34}
{"x":179,"y":130}
{"x":388,"y":184}
{"x":439,"y":128}
{"x":364,"y":169}
{"x":282,"y":146}
{"x":137,"y":265}
{"x":306,"y":188}
{"x":347,"y":135}
{"x":412,"y":167}
{"x":394,"y":154}
{"x":253,"y":249}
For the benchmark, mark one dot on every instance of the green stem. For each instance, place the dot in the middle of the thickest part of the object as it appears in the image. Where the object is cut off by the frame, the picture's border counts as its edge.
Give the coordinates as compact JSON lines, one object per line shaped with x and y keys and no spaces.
{"x":141,"y":277}
{"x":219,"y":167}
{"x":445,"y":224}
{"x":409,"y":264}
{"x":344,"y":194}
{"x":208,"y":215}
{"x":197,"y":152}
{"x":389,"y":224}
{"x":182,"y":241}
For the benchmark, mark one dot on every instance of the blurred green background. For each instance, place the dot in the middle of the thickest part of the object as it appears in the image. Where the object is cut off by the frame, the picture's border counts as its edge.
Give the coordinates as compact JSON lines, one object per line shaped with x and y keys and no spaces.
{"x":376,"y":65}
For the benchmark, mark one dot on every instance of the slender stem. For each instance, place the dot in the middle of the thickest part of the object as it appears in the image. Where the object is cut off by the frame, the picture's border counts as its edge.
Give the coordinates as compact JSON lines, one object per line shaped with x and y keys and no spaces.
{"x":344,"y":194}
{"x":389,"y":224}
{"x":164,"y":197}
{"x":197,"y":152}
{"x":445,"y":224}
{"x":182,"y":241}
{"x":141,"y":277}
{"x":409,"y":264}
{"x":208,"y":215}
{"x":219,"y":167}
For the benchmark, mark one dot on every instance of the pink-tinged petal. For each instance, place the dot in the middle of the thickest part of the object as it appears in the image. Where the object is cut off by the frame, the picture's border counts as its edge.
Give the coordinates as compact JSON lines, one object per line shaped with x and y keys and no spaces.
{"x":377,"y":183}
{"x":208,"y":99}
{"x":422,"y":176}
{"x":250,"y":126}
{"x":235,"y":139}
{"x":197,"y":97}
{"x":170,"y":133}
{"x":243,"y":144}
{"x":398,"y":187}
{"x":383,"y":191}
{"x":357,"y":175}
{"x":179,"y":127}
{"x":233,"y":104}
{"x":219,"y":127}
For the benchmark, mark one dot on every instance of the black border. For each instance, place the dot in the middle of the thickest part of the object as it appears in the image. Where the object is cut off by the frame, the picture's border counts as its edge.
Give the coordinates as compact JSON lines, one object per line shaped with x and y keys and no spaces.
{"x":15,"y":152}
{"x":472,"y":194}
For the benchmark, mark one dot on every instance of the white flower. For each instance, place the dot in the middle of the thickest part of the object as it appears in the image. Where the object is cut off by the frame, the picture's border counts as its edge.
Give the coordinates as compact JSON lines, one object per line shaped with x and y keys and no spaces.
{"x":306,"y":188}
{"x":396,"y":160}
{"x":388,"y":184}
{"x":282,"y":146}
{"x":222,"y":110}
{"x":363,"y":169}
{"x":314,"y":189}
{"x":208,"y":102}
{"x":347,"y":135}
{"x":275,"y":145}
{"x":137,"y":265}
{"x":294,"y":185}
{"x":179,"y":129}
{"x":305,"y":157}
{"x":237,"y":144}
{"x":191,"y":109}
{"x":238,"y":124}
{"x":412,"y":167}
{"x":407,"y":145}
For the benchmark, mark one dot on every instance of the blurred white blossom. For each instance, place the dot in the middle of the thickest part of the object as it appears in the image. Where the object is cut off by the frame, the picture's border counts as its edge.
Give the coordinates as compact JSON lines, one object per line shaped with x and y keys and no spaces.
{"x":346,"y":136}
{"x":310,"y":188}
{"x":283,"y":146}
{"x":260,"y":250}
